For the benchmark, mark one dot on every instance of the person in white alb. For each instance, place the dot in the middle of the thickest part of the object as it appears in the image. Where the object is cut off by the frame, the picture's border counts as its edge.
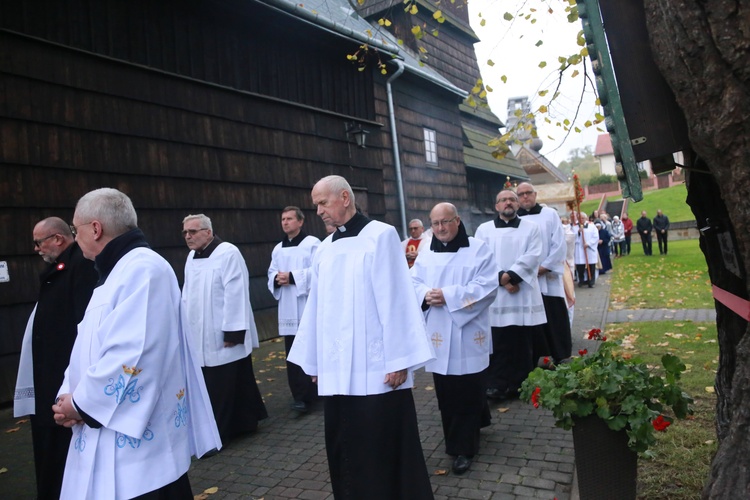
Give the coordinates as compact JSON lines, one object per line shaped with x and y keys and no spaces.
{"x":361,"y":336}
{"x":133,"y":392}
{"x":456,"y":281}
{"x":216,"y":300}
{"x":557,"y":341}
{"x":517,"y":315}
{"x":289,"y":282}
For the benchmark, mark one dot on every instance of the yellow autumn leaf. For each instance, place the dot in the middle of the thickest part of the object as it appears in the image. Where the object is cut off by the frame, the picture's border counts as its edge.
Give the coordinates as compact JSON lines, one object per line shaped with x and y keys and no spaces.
{"x":413,"y":10}
{"x":437,"y":14}
{"x":482,"y":22}
{"x":504,"y":79}
{"x":211,"y":490}
{"x":3,"y":470}
{"x":503,"y":410}
{"x":542,"y":64}
{"x":490,"y":62}
{"x":710,"y":390}
{"x":489,"y":89}
{"x":440,"y":472}
{"x":542,"y":108}
{"x":429,"y":388}
{"x":507,"y":16}
{"x":416,"y":30}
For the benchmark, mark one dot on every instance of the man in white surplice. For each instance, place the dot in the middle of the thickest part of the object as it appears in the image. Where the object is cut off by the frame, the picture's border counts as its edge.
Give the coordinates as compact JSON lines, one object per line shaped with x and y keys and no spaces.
{"x":133,"y":392}
{"x":517,"y":314}
{"x":361,"y":337}
{"x":587,"y":241}
{"x":216,"y":299}
{"x":289,"y":282}
{"x":557,"y":341}
{"x":456,"y":281}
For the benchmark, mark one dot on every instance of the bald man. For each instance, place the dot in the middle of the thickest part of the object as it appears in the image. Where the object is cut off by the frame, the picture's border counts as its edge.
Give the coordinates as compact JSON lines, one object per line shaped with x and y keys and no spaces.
{"x":417,"y":241}
{"x":66,"y":284}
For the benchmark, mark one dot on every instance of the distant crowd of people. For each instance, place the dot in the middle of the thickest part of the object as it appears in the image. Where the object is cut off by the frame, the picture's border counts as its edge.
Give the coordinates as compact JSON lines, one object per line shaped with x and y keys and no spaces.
{"x":127,"y":376}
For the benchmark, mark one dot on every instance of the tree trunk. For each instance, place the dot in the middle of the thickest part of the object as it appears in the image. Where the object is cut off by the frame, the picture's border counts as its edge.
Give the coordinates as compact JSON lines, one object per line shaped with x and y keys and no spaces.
{"x":702,"y":48}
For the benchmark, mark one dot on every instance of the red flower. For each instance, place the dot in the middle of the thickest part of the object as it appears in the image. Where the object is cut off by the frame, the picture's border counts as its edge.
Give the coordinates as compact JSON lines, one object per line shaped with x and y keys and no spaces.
{"x":546,"y":360}
{"x":596,"y":334}
{"x":604,"y":338}
{"x":61,"y":266}
{"x":582,"y":352}
{"x":660,"y":423}
{"x":535,"y":397}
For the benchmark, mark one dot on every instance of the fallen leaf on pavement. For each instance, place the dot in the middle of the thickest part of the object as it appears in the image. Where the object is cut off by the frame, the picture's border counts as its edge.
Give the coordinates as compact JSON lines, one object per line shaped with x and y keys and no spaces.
{"x":503,"y":410}
{"x":440,"y":472}
{"x":710,"y":390}
{"x":22,"y":421}
{"x":14,"y":429}
{"x":3,"y":470}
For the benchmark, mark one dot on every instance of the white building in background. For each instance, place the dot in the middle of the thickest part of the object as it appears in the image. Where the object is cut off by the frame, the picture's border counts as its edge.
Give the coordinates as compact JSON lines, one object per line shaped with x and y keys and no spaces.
{"x":606,"y":156}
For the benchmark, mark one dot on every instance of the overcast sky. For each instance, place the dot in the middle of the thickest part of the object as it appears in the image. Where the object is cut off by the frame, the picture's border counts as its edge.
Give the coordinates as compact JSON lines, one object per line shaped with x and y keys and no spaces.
{"x":511,"y":45}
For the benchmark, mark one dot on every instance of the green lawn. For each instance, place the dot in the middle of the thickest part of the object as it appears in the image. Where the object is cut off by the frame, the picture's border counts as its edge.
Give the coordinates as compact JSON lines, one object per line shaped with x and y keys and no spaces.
{"x":682,"y":455}
{"x":675,"y":281}
{"x":670,"y":200}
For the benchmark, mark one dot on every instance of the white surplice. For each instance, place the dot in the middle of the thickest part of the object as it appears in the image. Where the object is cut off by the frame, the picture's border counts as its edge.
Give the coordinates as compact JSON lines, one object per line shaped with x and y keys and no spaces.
{"x":591,"y":233}
{"x":362,"y":320}
{"x":518,"y":250}
{"x":24,"y":400}
{"x":216,"y":299}
{"x":132,"y":370}
{"x":553,"y":251}
{"x":459,"y":330}
{"x":292,"y":298}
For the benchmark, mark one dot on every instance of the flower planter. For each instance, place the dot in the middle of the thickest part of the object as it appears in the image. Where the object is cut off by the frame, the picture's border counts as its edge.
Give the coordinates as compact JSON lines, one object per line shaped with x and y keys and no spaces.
{"x":606,"y":467}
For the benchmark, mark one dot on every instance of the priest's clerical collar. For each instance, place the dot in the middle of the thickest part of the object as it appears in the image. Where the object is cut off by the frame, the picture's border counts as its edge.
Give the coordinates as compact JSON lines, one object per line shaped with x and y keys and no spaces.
{"x":536,"y":209}
{"x":460,"y":241}
{"x":352,"y":227}
{"x":286,"y":242}
{"x":206,"y":252}
{"x":500,"y":223}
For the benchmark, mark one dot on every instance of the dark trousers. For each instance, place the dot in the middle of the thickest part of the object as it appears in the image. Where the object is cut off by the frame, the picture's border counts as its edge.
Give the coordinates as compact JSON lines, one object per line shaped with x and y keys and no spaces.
{"x":50,"y":443}
{"x":300,"y":383}
{"x":620,"y":247}
{"x":373,"y":447}
{"x":583,"y":276}
{"x":627,"y":244}
{"x":463,"y":410}
{"x":661,"y":238}
{"x":512,"y":358}
{"x":646,"y":242}
{"x":235,"y":398}
{"x":556,"y":330}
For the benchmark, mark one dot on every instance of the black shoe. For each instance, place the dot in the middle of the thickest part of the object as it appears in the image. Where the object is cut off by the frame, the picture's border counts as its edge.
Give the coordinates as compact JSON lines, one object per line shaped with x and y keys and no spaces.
{"x":300,"y":406}
{"x":461,"y":464}
{"x":210,"y":453}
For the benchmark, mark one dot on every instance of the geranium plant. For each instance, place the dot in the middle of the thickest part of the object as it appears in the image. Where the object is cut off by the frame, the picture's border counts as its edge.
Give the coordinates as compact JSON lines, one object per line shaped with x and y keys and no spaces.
{"x":622,"y":392}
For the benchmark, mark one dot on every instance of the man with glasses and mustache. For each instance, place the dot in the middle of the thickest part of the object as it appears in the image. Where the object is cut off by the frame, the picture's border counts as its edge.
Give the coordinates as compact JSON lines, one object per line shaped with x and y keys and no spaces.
{"x":517,"y":315}
{"x":216,"y":301}
{"x":66,"y":284}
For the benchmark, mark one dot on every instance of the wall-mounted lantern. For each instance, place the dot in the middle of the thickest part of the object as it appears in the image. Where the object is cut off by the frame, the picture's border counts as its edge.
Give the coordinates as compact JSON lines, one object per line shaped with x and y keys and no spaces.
{"x":359,"y":133}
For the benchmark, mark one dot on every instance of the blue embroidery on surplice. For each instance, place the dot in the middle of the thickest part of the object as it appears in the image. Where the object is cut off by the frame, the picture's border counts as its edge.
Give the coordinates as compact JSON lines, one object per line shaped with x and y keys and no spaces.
{"x":122,"y":391}
{"x":123,"y":440}
{"x":80,"y":442}
{"x":181,"y":414}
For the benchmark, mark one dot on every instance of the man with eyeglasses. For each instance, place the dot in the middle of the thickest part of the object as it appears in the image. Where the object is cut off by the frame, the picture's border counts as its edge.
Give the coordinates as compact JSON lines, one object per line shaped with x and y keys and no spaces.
{"x":456,"y":281}
{"x":557,"y":341}
{"x":289,"y":283}
{"x":132,"y":394}
{"x":216,"y":301}
{"x":517,"y":314}
{"x":416,"y":241}
{"x":66,"y":284}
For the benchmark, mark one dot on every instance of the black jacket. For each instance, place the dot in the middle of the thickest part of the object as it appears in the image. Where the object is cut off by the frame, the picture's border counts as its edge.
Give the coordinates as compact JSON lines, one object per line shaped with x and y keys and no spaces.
{"x":643,"y":224}
{"x":66,"y":287}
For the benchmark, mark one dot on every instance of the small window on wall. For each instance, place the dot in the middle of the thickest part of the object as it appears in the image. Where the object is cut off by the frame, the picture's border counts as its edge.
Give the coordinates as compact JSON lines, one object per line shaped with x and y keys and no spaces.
{"x":430,"y":146}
